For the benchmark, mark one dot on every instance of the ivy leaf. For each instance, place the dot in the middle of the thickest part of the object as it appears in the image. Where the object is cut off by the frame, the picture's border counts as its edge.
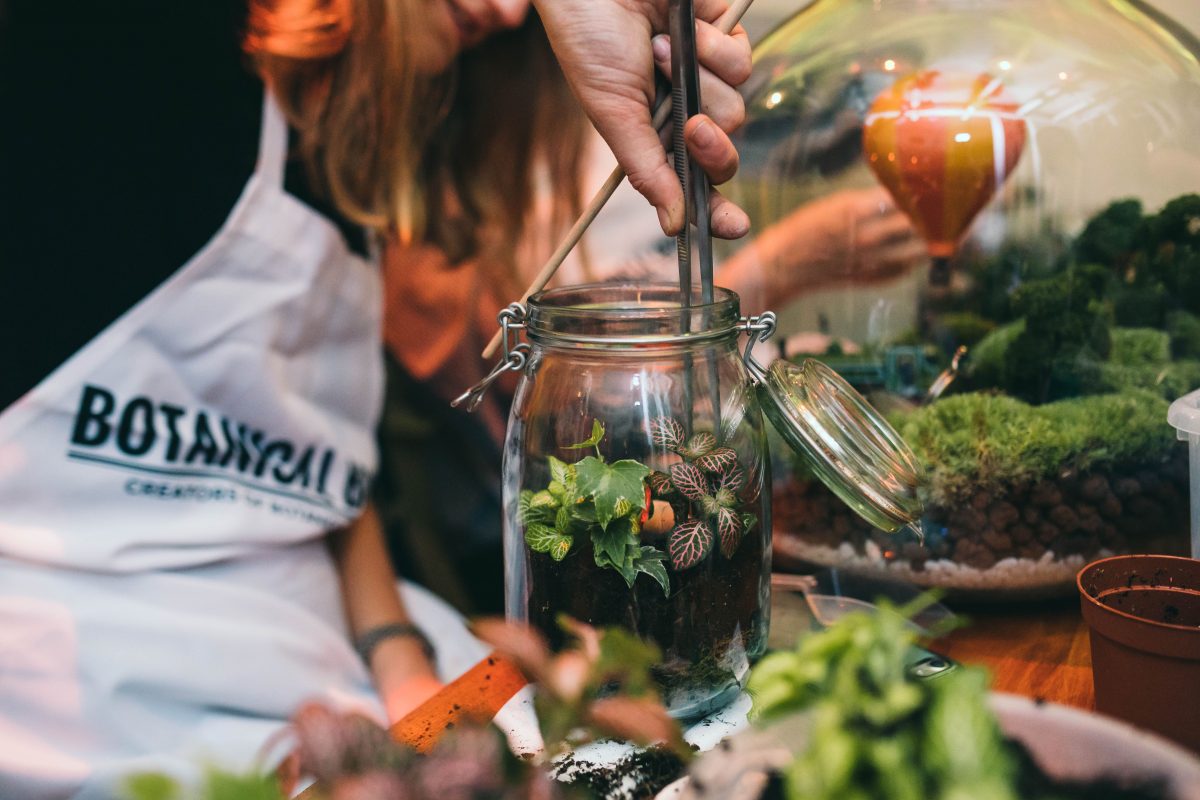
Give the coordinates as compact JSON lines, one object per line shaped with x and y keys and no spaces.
{"x":608,"y":484}
{"x":649,"y":560}
{"x":689,"y":481}
{"x":730,"y":529}
{"x":582,"y":511}
{"x":624,"y":566}
{"x":611,"y":544}
{"x":666,"y":432}
{"x":561,"y":472}
{"x":689,"y":544}
{"x":591,"y":441}
{"x":660,"y":484}
{"x":700,"y":444}
{"x":718,"y":460}
{"x":544,"y":539}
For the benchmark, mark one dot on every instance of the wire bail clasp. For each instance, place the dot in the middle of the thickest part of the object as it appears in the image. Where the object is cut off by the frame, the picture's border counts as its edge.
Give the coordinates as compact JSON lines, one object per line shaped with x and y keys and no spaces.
{"x":516,"y":354}
{"x":759,"y":328}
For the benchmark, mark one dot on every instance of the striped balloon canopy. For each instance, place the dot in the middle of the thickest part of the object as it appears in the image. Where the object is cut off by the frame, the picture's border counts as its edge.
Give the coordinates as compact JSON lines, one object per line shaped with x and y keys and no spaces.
{"x":942,"y":144}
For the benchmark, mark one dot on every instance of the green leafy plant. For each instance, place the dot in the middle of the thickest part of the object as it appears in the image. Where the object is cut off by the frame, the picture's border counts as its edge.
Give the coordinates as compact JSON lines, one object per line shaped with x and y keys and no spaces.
{"x":608,"y":504}
{"x":875,"y":730}
{"x":599,"y":502}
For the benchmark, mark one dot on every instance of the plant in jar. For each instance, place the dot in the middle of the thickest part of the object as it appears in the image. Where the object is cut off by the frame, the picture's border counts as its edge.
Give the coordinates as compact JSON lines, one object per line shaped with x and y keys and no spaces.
{"x":695,"y":502}
{"x":673,"y":527}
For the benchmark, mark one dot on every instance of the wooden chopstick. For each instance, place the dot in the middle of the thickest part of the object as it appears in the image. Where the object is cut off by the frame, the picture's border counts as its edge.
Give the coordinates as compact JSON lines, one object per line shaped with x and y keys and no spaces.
{"x":662,"y":113}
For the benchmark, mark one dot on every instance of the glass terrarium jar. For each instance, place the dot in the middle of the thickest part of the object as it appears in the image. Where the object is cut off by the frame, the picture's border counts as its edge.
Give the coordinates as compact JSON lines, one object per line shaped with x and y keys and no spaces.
{"x":636,"y":475}
{"x":994,"y":211}
{"x":635,"y":471}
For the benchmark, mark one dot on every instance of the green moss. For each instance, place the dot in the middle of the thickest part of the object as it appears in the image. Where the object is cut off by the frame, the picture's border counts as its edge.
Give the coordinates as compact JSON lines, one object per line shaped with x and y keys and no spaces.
{"x":985,"y":366}
{"x":1169,"y":380}
{"x":1140,"y":346}
{"x":978,"y":439}
{"x":1184,"y":329}
{"x":1110,"y":235}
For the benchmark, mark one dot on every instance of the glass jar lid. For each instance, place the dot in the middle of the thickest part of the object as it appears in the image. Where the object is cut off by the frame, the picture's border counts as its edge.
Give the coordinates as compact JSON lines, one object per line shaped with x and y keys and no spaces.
{"x":847,"y":443}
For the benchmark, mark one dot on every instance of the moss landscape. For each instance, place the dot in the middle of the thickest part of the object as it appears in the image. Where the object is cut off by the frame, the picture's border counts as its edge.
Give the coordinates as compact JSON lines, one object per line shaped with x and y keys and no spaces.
{"x":1054,"y":435}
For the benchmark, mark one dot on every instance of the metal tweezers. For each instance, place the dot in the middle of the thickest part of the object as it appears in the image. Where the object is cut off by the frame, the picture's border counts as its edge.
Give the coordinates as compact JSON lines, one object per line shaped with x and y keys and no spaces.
{"x":694,"y":242}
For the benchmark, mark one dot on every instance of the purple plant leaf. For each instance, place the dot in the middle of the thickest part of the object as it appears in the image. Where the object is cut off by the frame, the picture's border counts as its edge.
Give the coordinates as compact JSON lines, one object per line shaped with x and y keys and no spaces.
{"x":689,"y":480}
{"x":666,"y":432}
{"x":700,"y":444}
{"x":660,"y":484}
{"x":730,"y":529}
{"x":689,"y":544}
{"x":733,"y":477}
{"x":718,"y":460}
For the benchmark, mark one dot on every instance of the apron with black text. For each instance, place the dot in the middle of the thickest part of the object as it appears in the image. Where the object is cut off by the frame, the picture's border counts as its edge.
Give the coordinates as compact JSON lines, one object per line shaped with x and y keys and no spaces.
{"x":166,"y":595}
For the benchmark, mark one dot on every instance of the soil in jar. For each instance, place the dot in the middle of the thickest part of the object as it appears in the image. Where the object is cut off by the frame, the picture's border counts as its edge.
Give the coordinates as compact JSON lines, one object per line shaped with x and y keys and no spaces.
{"x":709,"y":630}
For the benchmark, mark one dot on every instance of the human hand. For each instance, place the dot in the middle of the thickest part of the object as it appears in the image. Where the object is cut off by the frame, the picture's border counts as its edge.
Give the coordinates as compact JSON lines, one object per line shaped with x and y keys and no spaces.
{"x":403,"y":675}
{"x":606,"y":51}
{"x":854,"y":236}
{"x":409,"y":695}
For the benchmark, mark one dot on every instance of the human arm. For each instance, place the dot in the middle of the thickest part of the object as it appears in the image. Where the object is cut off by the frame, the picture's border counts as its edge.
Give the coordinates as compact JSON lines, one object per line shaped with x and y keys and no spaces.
{"x":606,"y":51}
{"x":399,"y":666}
{"x":851,"y":237}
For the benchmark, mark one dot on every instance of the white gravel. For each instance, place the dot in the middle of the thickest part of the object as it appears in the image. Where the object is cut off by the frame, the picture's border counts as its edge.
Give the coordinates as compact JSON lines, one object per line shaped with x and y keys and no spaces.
{"x":1046,"y":576}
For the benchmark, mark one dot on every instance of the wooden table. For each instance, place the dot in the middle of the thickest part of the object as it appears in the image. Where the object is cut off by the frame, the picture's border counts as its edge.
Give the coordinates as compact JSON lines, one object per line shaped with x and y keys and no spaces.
{"x":1039,"y":651}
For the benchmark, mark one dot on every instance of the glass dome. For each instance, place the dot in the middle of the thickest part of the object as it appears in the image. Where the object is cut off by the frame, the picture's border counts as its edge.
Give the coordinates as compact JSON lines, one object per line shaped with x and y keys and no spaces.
{"x":989,"y":209}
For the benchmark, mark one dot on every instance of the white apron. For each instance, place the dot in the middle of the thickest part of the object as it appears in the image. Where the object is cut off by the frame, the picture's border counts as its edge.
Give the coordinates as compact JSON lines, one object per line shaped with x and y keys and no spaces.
{"x":166,"y":598}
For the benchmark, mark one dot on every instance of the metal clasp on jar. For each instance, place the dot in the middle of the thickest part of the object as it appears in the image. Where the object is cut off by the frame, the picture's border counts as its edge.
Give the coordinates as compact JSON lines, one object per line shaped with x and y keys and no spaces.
{"x":516,"y":354}
{"x":757,"y":329}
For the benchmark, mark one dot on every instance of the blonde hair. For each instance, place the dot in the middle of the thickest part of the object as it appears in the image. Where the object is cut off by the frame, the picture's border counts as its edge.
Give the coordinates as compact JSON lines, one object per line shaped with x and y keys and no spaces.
{"x":343,"y":72}
{"x":512,"y":126}
{"x":450,"y":160}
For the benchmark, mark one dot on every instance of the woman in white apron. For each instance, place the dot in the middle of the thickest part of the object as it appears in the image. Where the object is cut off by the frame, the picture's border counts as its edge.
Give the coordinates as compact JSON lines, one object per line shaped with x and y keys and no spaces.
{"x":168,"y":596}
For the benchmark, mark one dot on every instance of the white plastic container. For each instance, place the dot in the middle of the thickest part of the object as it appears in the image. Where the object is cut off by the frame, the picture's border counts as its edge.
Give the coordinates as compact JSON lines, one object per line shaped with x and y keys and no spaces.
{"x":1184,"y":414}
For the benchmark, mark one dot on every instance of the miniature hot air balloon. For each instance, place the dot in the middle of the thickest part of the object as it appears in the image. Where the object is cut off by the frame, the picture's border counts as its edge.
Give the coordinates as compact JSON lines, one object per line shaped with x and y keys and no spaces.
{"x":942,"y":144}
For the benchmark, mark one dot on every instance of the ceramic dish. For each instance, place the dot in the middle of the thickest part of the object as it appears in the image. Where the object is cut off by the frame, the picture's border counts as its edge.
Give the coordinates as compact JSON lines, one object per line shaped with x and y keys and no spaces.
{"x":1068,"y":744}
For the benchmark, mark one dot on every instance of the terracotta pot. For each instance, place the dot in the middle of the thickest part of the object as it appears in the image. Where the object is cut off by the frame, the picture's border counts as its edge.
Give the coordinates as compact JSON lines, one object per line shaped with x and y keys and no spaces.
{"x":1143,"y":613}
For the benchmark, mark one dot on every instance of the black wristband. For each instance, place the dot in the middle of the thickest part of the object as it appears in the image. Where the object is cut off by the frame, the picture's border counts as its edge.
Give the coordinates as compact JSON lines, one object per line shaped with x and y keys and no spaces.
{"x":371,"y":638}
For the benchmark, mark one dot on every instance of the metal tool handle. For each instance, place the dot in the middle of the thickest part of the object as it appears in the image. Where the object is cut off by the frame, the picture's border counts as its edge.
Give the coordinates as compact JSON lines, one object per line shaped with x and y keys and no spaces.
{"x":695,"y":240}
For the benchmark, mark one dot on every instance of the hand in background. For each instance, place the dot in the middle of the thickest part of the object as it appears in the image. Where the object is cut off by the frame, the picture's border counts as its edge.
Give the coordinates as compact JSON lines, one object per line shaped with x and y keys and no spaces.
{"x":854,"y":236}
{"x":605,"y":50}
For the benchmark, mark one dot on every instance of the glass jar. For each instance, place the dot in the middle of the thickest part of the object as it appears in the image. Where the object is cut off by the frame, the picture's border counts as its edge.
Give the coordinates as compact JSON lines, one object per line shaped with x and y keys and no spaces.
{"x":626,"y":397}
{"x":636,"y":474}
{"x":993,"y":208}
